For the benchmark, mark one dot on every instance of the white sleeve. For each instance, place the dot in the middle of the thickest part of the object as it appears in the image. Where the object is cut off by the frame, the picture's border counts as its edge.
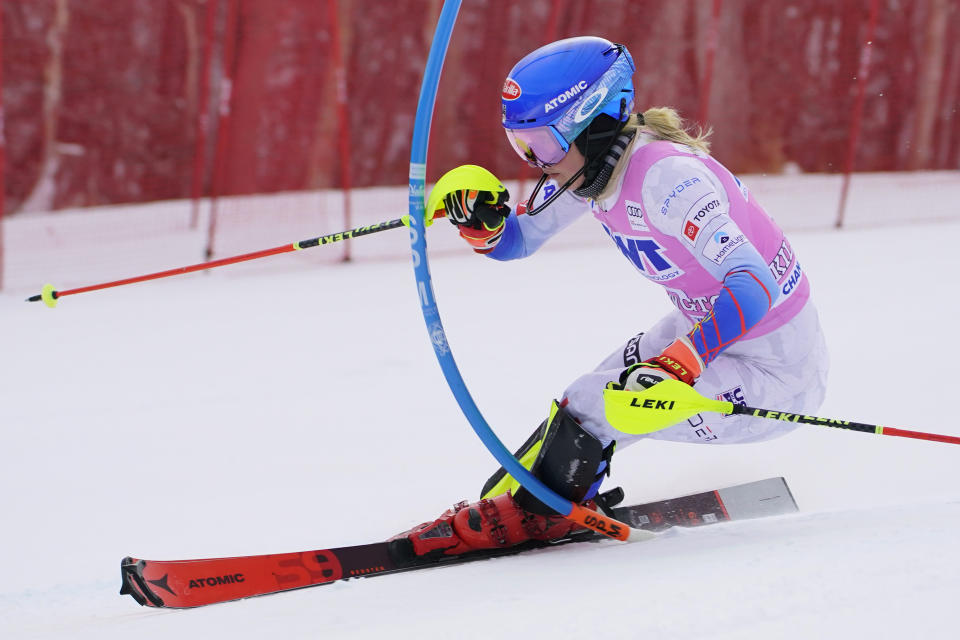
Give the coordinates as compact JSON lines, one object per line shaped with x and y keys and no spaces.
{"x":524,"y":234}
{"x":563,"y":212}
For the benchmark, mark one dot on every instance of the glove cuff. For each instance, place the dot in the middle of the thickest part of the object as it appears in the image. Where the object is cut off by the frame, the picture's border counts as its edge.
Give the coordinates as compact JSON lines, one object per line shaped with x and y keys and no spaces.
{"x":681,"y":360}
{"x":482,"y":240}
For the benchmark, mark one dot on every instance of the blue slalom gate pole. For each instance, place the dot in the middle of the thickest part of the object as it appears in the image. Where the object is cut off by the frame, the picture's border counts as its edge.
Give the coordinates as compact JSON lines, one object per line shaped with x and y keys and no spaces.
{"x":431,"y":314}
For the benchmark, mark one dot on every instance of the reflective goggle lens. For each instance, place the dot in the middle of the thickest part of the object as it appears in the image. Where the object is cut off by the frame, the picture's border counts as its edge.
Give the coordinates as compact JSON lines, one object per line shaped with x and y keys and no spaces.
{"x":539,"y":146}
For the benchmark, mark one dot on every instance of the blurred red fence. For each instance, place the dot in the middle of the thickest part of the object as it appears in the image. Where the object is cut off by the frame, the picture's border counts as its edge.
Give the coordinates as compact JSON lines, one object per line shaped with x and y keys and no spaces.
{"x":108,"y":102}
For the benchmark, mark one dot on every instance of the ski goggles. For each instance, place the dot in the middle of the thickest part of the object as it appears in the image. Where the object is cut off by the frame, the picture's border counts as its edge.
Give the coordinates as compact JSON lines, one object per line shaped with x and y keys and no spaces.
{"x":539,"y":146}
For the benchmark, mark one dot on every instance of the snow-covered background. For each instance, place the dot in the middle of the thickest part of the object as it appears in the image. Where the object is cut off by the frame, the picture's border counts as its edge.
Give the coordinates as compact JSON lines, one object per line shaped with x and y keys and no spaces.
{"x":291,"y":404}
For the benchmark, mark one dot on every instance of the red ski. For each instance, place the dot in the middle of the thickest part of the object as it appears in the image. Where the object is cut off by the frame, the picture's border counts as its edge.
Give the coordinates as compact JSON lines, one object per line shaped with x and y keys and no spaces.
{"x":194,"y":583}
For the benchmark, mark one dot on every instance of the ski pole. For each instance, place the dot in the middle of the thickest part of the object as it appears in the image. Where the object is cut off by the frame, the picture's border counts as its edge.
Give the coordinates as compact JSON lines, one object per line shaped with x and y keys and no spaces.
{"x":49,"y":295}
{"x":671,"y":401}
{"x":843,"y":424}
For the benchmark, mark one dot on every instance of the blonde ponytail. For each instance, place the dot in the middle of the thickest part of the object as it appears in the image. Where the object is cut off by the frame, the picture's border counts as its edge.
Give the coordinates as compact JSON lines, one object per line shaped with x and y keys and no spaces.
{"x":665,"y":124}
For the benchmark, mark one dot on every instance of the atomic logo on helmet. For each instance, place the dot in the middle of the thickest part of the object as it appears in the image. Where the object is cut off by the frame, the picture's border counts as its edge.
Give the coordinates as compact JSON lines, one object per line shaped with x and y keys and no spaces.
{"x":569,"y":94}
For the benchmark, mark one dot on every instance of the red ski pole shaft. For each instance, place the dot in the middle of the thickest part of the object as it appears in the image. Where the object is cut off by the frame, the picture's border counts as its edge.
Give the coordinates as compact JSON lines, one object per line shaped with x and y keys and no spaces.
{"x":844,"y":424}
{"x":50,"y":295}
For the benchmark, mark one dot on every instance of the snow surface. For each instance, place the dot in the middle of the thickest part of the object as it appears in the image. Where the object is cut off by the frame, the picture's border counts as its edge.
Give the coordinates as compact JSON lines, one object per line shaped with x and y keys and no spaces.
{"x":297,"y":406}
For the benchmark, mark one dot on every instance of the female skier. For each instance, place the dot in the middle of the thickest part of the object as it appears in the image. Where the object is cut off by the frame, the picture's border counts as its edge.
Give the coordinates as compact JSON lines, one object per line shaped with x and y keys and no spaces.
{"x":744,"y":329}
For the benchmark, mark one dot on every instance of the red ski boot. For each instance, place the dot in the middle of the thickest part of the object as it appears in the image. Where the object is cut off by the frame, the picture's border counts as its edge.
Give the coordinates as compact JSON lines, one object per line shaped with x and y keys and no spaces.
{"x":488,"y":524}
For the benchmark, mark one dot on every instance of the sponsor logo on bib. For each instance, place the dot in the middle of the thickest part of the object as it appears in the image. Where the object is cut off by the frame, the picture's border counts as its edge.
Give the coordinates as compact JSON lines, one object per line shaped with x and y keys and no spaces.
{"x":635,"y":216}
{"x":723,"y":242}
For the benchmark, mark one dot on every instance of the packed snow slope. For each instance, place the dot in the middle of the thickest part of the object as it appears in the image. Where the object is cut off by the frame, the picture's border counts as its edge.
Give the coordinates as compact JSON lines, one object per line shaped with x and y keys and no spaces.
{"x":297,"y":406}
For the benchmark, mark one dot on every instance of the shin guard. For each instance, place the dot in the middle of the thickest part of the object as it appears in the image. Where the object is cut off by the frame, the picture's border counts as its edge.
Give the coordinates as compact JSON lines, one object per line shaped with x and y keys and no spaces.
{"x":560,"y":454}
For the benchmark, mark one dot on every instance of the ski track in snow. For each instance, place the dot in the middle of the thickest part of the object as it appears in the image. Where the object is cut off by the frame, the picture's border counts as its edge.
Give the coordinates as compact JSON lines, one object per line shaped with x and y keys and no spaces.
{"x":278,"y":410}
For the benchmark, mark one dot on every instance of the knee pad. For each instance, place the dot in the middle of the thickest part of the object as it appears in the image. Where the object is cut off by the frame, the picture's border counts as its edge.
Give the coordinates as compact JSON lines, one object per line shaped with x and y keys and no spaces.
{"x":562,"y":455}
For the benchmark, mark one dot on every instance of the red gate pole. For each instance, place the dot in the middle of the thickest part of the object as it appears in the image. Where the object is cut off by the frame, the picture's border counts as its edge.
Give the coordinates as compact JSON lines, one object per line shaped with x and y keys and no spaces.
{"x":343,"y":116}
{"x":706,"y":83}
{"x":3,"y":149}
{"x":224,"y":111}
{"x":857,"y":113}
{"x":203,"y":116}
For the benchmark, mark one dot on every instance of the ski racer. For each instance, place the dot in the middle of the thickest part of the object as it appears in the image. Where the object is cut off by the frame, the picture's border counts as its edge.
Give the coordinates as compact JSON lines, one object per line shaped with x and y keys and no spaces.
{"x":744,"y":329}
